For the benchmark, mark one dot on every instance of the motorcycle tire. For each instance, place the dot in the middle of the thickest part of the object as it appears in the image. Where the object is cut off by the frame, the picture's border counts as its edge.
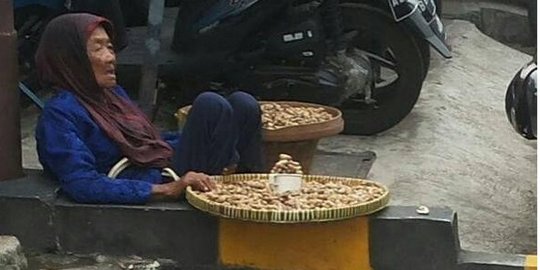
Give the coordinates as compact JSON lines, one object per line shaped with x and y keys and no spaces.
{"x":382,"y":36}
{"x":425,"y":50}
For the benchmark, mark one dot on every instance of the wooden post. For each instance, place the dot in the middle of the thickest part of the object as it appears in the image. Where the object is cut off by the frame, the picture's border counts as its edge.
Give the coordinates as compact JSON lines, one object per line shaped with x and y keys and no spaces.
{"x":10,"y":129}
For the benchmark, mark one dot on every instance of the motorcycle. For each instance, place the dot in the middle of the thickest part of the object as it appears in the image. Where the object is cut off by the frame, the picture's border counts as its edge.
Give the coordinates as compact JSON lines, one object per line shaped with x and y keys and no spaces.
{"x":287,"y":50}
{"x":367,"y":57}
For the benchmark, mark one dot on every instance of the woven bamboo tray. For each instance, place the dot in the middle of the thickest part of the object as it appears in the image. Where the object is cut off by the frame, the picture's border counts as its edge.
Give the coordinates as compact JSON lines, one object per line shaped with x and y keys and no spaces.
{"x":319,"y":130}
{"x":295,"y":216}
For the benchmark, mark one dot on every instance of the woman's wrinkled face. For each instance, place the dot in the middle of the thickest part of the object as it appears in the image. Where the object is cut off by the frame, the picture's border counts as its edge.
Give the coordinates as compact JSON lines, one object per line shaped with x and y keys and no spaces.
{"x":102,"y":57}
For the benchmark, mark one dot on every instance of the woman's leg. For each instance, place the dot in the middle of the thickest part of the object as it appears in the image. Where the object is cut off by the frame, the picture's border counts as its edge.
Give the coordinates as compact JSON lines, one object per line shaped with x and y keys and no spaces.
{"x":247,"y":120}
{"x":208,"y":140}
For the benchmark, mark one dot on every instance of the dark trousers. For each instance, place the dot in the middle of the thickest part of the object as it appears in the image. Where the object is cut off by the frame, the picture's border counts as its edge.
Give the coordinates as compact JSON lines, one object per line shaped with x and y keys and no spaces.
{"x":220,"y":132}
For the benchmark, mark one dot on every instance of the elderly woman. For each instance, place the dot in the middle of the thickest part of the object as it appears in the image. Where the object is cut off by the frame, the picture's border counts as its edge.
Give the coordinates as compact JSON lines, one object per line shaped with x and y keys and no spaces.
{"x":90,"y":124}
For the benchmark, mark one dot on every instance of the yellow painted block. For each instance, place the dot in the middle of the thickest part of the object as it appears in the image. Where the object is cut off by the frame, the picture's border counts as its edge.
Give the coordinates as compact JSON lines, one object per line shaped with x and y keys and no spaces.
{"x":531,"y":262}
{"x":339,"y":245}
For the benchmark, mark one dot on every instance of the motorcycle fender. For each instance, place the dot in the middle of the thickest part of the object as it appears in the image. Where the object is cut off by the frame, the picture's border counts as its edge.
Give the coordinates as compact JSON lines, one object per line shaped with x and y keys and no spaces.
{"x":421,"y":17}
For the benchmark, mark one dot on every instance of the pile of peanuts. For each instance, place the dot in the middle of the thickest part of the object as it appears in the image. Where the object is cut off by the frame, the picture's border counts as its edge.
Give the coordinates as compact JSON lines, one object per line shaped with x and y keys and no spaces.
{"x":286,"y":164}
{"x":256,"y":194}
{"x":276,"y":116}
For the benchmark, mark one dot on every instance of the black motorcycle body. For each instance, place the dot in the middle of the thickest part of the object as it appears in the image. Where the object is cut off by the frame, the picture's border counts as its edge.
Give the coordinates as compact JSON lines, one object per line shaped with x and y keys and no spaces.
{"x":282,"y":49}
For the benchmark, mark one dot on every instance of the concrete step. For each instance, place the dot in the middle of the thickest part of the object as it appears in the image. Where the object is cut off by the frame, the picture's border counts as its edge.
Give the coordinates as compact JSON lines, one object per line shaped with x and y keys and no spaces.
{"x":396,"y":238}
{"x":503,"y":20}
{"x":52,"y":222}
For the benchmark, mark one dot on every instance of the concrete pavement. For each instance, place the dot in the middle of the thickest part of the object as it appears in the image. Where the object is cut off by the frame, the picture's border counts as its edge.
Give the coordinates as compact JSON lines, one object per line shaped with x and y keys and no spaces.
{"x":457,"y":149}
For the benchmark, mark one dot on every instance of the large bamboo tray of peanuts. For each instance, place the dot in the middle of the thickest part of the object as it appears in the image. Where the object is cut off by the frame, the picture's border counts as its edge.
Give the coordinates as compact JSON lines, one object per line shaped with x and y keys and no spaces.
{"x":322,"y":198}
{"x":255,"y":197}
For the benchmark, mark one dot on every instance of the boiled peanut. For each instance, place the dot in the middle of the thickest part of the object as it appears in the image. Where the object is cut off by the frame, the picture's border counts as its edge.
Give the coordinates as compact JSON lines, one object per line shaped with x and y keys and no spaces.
{"x":286,"y":164}
{"x":284,"y":157}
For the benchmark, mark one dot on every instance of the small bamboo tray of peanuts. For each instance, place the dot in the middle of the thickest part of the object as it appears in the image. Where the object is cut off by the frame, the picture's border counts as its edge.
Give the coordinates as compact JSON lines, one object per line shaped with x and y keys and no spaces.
{"x":282,"y":115}
{"x":291,"y":120}
{"x":253,"y":197}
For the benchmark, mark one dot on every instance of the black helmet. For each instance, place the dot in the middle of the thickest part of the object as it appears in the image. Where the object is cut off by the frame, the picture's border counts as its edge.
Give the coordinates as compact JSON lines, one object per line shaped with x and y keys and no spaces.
{"x":521,"y":101}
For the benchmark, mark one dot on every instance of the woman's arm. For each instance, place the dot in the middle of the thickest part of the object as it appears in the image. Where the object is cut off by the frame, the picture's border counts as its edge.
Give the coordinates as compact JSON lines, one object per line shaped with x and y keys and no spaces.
{"x":64,"y":153}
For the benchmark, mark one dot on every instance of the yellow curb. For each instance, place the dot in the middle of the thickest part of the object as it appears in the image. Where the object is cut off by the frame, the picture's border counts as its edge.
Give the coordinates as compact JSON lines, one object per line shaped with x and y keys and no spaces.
{"x":531,"y":262}
{"x":340,"y":245}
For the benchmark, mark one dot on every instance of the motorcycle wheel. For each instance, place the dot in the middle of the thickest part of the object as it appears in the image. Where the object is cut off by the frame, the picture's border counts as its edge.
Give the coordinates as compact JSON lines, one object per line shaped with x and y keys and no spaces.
{"x":425,"y":50}
{"x":396,"y":88}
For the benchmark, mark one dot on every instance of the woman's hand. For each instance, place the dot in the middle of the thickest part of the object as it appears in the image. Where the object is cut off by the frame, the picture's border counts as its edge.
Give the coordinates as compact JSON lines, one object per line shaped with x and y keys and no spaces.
{"x":198,"y":181}
{"x":173,"y":190}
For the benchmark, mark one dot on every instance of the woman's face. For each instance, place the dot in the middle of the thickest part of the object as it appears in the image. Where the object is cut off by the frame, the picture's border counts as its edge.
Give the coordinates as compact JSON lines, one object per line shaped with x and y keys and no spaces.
{"x":101,"y":54}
